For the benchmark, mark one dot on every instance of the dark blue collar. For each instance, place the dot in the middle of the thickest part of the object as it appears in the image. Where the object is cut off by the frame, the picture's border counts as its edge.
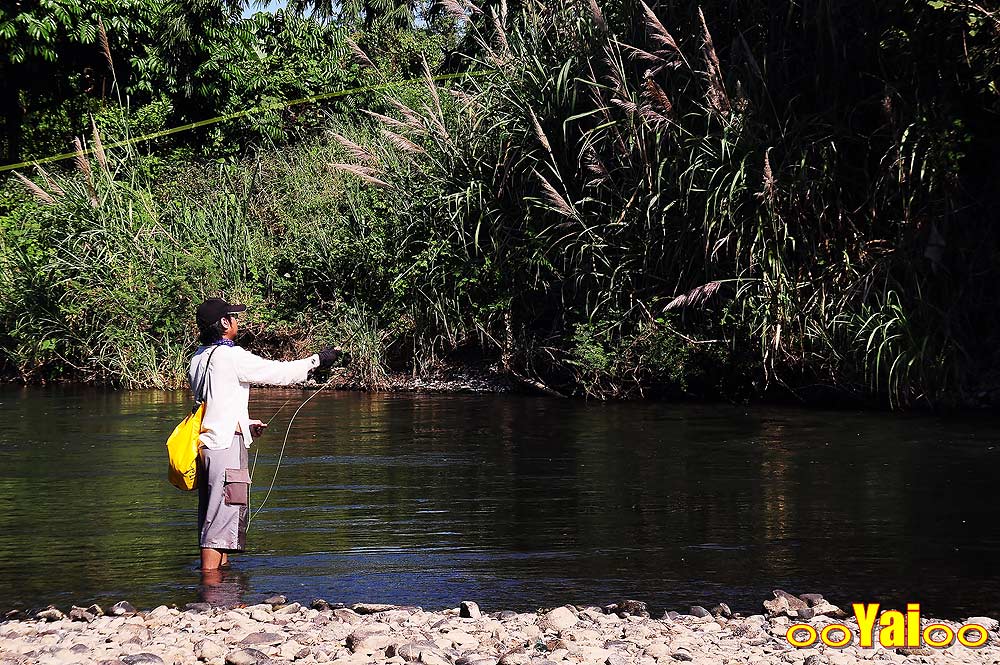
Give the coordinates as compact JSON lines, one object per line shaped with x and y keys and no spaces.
{"x":224,"y":342}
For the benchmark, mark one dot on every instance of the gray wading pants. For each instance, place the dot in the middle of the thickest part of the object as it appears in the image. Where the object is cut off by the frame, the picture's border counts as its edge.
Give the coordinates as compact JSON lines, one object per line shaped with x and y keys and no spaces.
{"x":223,"y":495}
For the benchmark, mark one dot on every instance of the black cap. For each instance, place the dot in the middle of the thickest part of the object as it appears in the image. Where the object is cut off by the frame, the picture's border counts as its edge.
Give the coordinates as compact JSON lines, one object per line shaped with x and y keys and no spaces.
{"x":213,"y":309}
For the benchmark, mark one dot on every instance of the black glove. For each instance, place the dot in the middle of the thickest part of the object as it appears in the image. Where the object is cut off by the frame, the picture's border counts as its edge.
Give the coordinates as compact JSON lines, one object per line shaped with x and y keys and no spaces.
{"x":328,"y":356}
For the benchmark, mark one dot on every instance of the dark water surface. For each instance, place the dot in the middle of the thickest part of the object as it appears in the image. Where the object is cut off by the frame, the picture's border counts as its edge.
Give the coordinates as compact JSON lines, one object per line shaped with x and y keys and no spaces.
{"x":516,"y":502}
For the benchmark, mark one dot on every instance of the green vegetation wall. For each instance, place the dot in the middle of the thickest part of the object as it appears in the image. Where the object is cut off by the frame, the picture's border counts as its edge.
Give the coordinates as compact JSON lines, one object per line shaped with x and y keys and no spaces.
{"x":621,"y":199}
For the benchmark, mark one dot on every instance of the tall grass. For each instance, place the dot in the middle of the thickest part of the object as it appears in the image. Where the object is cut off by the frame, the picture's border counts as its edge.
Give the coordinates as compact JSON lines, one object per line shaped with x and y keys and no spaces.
{"x":607,"y":170}
{"x":628,"y":197}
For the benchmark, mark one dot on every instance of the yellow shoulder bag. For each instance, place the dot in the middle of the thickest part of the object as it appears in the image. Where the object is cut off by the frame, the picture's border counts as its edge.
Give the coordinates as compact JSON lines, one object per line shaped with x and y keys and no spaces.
{"x":182,"y":444}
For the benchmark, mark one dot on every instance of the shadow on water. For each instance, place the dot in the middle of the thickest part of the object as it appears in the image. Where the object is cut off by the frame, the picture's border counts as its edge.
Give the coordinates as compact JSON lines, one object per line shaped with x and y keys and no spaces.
{"x":513,"y":501}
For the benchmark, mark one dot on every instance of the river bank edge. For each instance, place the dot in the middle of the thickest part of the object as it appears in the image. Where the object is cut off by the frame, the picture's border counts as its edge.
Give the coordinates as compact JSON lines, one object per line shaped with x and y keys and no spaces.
{"x":276,"y":631}
{"x":457,"y":379}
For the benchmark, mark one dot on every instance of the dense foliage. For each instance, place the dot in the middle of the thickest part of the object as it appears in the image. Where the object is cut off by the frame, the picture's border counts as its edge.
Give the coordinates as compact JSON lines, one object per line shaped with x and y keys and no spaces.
{"x":621,"y":198}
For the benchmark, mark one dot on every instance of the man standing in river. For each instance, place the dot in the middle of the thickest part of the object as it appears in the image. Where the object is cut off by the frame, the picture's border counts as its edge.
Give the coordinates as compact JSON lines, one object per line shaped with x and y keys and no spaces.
{"x":223,"y":373}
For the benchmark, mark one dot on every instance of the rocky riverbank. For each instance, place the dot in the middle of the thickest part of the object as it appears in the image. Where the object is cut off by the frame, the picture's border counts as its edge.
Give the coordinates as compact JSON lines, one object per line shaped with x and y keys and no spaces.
{"x":276,"y":632}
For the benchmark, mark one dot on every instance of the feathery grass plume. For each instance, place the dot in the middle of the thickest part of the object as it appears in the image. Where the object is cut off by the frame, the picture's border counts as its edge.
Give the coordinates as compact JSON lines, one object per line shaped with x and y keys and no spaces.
{"x":50,"y":182}
{"x":454,"y":9}
{"x":695,"y":297}
{"x":360,"y":56}
{"x":403,"y":143}
{"x":392,"y":122}
{"x":81,"y":161}
{"x":83,"y":164}
{"x":554,"y":198}
{"x":653,"y":118}
{"x":464,"y":98}
{"x":658,"y":31}
{"x":412,"y":120}
{"x":459,"y":10}
{"x":717,"y":97}
{"x":362,"y":172}
{"x":593,"y":164}
{"x":102,"y":39}
{"x":436,"y":115}
{"x":637,"y":53}
{"x":598,"y":15}
{"x":102,"y":158}
{"x":37,"y":191}
{"x":613,"y":74}
{"x":626,"y":104}
{"x":542,"y":138}
{"x":499,"y":32}
{"x":770,"y":193}
{"x":354,"y":150}
{"x":656,"y":95}
{"x":432,"y":86}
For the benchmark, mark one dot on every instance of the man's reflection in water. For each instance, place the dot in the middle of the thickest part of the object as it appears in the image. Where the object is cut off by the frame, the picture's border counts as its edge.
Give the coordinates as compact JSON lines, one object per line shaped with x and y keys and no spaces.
{"x":223,"y":587}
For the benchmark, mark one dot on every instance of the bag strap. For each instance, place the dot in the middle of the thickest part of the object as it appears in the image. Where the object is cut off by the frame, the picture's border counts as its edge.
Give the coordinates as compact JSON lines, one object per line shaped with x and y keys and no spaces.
{"x":204,"y":379}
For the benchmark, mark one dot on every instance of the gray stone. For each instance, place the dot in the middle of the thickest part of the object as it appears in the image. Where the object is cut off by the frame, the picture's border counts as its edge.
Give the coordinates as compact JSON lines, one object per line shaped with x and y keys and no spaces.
{"x":814,"y":659}
{"x":319,"y":604}
{"x":794,"y":602}
{"x":469,"y":610}
{"x":776,"y":607}
{"x":657,"y":650}
{"x":827,"y":609}
{"x":617,"y":658}
{"x":434,"y":658}
{"x":632,"y":607}
{"x":247,"y":657}
{"x":372,"y":608}
{"x":96,"y":610}
{"x":142,"y":659}
{"x":722,"y":610}
{"x":80,"y":614}
{"x":369,"y":638}
{"x":682,"y":656}
{"x":811,"y":598}
{"x":670,"y":616}
{"x":50,"y":614}
{"x":277,"y":599}
{"x":411,"y":650}
{"x":198,"y":607}
{"x":558,"y":619}
{"x":122,"y":608}
{"x":288,"y":609}
{"x":699,"y":611}
{"x":476,"y":659}
{"x":805,"y":613}
{"x":347,"y":615}
{"x":208,"y":650}
{"x":254,"y":639}
{"x":13,"y":615}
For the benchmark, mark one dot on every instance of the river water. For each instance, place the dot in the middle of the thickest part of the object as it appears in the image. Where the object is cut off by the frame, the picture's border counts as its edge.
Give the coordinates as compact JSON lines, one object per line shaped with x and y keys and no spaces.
{"x":516,"y":502}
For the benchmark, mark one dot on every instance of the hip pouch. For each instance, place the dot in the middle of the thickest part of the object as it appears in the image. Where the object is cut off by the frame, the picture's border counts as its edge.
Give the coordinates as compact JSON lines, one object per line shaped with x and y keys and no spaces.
{"x":236,"y":489}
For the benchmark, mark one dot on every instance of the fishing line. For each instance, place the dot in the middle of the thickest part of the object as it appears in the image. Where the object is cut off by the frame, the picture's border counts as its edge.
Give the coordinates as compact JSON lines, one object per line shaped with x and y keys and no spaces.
{"x":281,"y":453}
{"x":245,"y":112}
{"x":256,"y":453}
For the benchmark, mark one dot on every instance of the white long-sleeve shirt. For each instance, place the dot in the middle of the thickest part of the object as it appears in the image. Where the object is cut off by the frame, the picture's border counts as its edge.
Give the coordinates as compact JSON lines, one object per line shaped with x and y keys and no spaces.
{"x":227,"y":388}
